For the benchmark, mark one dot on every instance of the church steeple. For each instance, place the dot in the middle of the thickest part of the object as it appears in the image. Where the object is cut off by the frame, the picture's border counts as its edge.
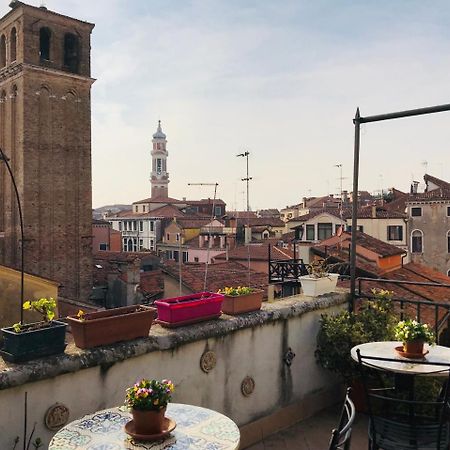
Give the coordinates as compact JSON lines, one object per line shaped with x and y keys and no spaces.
{"x":159,"y":176}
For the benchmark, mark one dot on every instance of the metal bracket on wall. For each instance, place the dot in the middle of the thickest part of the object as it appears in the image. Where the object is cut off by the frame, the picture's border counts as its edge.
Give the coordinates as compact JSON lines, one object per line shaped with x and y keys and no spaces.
{"x":288,"y":357}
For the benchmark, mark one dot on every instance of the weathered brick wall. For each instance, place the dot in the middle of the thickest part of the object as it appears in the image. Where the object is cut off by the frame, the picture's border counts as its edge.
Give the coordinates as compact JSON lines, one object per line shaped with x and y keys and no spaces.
{"x":46,"y":131}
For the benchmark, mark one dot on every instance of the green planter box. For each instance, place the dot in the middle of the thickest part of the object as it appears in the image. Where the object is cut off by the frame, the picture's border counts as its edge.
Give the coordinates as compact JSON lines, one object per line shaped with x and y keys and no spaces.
{"x":32,"y":344}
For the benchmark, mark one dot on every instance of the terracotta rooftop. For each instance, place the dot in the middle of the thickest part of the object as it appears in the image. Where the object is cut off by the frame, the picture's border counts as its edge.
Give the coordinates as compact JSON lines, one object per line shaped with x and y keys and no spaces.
{"x":166,"y":211}
{"x":205,"y":201}
{"x":220,"y":275}
{"x":241,"y":214}
{"x":160,"y":200}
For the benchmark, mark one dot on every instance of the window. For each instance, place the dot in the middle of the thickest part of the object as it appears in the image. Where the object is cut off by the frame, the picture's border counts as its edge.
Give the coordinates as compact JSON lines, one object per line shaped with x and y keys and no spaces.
{"x":448,"y":272}
{"x":144,"y":208}
{"x":158,"y":166}
{"x":44,"y":44}
{"x":103,"y":246}
{"x":141,"y":244}
{"x":416,"y":212}
{"x":176,"y":255}
{"x":169,"y":254}
{"x":416,"y":241}
{"x":310,"y":233}
{"x":196,"y":260}
{"x":13,"y":45}
{"x":141,"y":225}
{"x":2,"y":51}
{"x":360,"y":228}
{"x":168,"y":236}
{"x":217,"y":211}
{"x":448,"y":241}
{"x":120,"y":226}
{"x":185,"y":257}
{"x":152,"y":226}
{"x":324,"y":231}
{"x":395,"y":232}
{"x":71,"y":52}
{"x":448,"y":211}
{"x":178,"y":237}
{"x":152,"y":244}
{"x":136,"y":208}
{"x":134,"y":225}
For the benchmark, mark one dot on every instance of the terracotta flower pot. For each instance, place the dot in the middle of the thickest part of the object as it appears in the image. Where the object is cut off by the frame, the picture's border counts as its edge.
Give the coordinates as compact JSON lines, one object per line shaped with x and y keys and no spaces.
{"x":148,"y":422}
{"x":238,"y":304}
{"x":112,"y":325}
{"x":413,"y":347}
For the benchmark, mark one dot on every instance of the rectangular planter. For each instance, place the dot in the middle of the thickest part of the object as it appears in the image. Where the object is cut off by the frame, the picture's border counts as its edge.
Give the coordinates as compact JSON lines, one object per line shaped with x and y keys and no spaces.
{"x":32,"y":344}
{"x":112,"y":325}
{"x":313,"y":287}
{"x":238,"y":304}
{"x":189,"y":308}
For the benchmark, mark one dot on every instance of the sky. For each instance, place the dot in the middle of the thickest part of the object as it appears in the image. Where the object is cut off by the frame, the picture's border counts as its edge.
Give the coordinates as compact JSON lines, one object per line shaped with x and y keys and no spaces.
{"x":281,"y":80}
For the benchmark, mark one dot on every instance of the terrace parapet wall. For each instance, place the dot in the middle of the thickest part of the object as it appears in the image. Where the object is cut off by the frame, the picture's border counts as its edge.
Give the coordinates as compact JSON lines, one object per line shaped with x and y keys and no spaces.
{"x":251,"y":345}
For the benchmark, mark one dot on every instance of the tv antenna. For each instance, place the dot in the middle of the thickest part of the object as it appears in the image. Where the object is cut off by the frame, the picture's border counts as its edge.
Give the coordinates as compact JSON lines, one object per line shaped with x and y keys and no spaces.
{"x":209,"y":229}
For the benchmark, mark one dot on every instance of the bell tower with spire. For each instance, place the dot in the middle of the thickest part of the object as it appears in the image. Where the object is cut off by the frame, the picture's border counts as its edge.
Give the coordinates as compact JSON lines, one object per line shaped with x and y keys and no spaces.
{"x":159,"y":176}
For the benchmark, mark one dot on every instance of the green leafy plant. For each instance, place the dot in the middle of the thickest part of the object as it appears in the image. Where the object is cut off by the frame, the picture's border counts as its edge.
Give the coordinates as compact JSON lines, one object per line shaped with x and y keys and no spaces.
{"x":318,"y":268}
{"x":236,"y":291}
{"x":149,"y":395}
{"x":338,"y":334}
{"x":410,"y":330}
{"x":46,"y":307}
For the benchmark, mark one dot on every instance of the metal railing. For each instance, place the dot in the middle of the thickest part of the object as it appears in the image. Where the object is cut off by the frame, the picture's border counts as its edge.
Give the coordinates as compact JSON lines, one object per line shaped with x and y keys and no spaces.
{"x":286,"y":270}
{"x":436,"y":314}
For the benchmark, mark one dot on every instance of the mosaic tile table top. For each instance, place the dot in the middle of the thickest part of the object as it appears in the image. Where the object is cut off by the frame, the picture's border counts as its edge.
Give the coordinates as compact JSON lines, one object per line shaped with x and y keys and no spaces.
{"x":197,"y":428}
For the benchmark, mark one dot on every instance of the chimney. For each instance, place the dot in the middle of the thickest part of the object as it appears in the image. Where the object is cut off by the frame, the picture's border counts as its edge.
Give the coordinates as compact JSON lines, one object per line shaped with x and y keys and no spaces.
{"x":414,"y":187}
{"x":374,"y":212}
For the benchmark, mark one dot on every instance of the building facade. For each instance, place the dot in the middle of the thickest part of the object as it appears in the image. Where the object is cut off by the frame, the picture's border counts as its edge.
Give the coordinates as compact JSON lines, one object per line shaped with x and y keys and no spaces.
{"x":429,"y":225}
{"x":45,"y":131}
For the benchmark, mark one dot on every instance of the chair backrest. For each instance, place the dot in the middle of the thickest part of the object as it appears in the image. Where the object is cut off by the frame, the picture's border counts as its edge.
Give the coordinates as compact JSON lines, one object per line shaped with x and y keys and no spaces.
{"x":341,"y":436}
{"x":397,"y":413}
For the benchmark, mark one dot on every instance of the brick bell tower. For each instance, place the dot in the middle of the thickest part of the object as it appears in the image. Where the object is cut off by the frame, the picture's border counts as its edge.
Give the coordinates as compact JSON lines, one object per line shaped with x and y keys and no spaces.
{"x":159,"y":177}
{"x":45,"y":130}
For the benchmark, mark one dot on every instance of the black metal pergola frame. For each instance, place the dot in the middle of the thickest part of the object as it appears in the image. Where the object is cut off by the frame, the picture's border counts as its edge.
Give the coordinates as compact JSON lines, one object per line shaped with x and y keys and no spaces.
{"x":357,"y":121}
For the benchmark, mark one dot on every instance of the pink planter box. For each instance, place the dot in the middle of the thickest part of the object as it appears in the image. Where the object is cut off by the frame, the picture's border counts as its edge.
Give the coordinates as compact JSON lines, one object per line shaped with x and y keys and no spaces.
{"x":189,"y":307}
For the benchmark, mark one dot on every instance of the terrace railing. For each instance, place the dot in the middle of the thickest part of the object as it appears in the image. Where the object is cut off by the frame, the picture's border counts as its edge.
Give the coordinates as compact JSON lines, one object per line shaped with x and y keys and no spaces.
{"x":281,"y":271}
{"x":436,"y":314}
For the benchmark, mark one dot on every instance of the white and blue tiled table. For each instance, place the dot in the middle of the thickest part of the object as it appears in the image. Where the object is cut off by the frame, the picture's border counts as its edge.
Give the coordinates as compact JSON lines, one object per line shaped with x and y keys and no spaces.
{"x":197,"y":428}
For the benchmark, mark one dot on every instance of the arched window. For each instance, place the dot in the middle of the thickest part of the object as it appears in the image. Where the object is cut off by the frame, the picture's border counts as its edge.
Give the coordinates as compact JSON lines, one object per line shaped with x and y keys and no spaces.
{"x":417,"y":241}
{"x":71,"y":52}
{"x":44,"y":43}
{"x":13,"y":45}
{"x":448,"y":241}
{"x":448,"y":272}
{"x":2,"y":51}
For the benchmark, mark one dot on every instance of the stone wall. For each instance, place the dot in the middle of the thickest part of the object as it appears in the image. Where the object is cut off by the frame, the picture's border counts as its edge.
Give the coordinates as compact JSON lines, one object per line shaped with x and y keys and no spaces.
{"x":251,"y":345}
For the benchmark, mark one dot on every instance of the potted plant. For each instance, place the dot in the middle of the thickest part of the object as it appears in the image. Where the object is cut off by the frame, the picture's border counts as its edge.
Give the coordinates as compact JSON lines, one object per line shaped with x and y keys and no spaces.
{"x":241,"y":299}
{"x":178,"y":311}
{"x":23,"y":342}
{"x":148,"y":400}
{"x":318,"y":281}
{"x":112,"y":325}
{"x":413,"y":335}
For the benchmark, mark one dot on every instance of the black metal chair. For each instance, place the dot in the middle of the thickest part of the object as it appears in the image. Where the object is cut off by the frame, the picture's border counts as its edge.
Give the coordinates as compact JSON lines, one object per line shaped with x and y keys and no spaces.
{"x":397,"y":419}
{"x":341,"y":436}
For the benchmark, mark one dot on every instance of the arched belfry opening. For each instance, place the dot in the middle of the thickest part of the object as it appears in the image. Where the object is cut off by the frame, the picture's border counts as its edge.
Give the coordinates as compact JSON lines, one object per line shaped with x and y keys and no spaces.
{"x":45,"y":36}
{"x":71,"y":52}
{"x":13,"y":45}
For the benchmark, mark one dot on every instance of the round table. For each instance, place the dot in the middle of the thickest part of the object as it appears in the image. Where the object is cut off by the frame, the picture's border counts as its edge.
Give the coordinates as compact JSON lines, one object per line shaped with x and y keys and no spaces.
{"x":436,"y":353}
{"x":197,"y":428}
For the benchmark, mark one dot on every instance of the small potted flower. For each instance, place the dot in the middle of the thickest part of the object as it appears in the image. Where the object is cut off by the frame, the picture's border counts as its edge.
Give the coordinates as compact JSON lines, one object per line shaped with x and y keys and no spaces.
{"x":241,"y":299}
{"x":148,"y":400}
{"x":319,"y":280}
{"x":413,"y":335}
{"x":25,"y":341}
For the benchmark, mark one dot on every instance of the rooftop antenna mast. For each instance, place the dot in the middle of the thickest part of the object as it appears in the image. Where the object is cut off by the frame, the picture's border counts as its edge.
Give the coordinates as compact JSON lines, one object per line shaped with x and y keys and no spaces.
{"x":247,"y":180}
{"x":209,"y":228}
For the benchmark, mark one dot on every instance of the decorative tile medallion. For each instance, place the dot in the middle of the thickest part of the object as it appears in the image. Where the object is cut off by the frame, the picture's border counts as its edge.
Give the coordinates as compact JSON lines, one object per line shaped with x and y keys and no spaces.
{"x":247,"y":386}
{"x":208,"y":361}
{"x":56,"y":416}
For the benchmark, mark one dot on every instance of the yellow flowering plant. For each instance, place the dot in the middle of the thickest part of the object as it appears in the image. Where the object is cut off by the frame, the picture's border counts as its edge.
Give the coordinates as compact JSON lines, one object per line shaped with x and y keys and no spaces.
{"x":411,"y":330}
{"x":149,"y":395}
{"x":236,"y":291}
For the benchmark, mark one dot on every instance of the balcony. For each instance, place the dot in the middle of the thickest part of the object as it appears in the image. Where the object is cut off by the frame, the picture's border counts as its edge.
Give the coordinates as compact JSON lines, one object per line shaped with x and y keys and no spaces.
{"x":130,"y":233}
